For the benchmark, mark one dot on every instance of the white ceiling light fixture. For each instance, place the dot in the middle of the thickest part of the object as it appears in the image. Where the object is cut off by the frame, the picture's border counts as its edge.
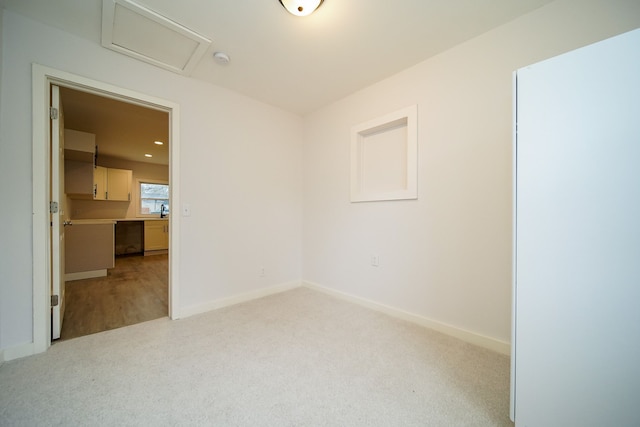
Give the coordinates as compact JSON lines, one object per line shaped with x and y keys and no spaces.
{"x":301,"y":7}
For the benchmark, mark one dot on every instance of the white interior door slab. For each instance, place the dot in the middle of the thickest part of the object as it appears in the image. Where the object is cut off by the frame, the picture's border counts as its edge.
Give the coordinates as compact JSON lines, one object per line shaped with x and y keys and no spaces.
{"x":577,"y":281}
{"x":57,"y":214}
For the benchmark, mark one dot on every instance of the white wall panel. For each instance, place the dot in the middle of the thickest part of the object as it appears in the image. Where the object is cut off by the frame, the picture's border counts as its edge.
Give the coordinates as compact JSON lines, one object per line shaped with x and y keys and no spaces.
{"x":577,"y":327}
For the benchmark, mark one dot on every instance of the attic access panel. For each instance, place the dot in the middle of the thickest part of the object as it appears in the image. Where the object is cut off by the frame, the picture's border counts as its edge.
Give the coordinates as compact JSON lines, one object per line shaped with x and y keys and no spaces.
{"x":138,"y":32}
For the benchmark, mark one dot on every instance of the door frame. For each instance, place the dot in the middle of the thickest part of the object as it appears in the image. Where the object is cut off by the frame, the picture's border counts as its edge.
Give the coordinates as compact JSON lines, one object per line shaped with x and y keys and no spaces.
{"x":42,"y":78}
{"x":58,"y":218}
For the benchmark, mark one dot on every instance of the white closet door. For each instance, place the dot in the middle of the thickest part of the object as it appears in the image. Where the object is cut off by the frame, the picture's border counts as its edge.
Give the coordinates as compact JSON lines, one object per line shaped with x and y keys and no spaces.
{"x":577,"y":290}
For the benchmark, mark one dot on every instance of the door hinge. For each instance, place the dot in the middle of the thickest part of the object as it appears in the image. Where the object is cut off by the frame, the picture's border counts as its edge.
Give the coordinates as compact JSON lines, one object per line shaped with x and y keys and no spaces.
{"x":53,"y":207}
{"x":53,"y":113}
{"x":54,"y":300}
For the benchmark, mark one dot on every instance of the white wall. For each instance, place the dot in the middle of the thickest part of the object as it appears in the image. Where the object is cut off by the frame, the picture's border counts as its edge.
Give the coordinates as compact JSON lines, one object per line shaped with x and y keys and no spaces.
{"x":240,"y":164}
{"x":447,"y":256}
{"x":2,"y":188}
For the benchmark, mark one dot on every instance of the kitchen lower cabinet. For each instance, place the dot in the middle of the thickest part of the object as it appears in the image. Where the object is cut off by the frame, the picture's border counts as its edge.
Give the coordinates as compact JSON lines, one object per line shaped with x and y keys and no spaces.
{"x":156,"y":235}
{"x":88,"y":249}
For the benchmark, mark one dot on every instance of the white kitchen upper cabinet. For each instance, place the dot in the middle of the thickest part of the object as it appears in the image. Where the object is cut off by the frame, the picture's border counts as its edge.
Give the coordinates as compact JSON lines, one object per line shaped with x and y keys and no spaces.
{"x":119,"y":184}
{"x":112,"y":184}
{"x":78,"y":177}
{"x":79,"y":156}
{"x":576,"y":329}
{"x":80,"y":146}
{"x":100,"y":183}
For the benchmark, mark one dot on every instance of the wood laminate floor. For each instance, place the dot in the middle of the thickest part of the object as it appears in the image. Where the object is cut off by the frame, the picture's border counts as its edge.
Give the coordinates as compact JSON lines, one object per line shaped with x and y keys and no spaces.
{"x":135,"y":291}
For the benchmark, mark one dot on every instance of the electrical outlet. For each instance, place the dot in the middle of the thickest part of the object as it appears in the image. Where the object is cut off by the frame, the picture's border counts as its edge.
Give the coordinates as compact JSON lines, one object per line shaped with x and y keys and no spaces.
{"x":375,"y":260}
{"x":186,"y":209}
{"x":261,"y":271}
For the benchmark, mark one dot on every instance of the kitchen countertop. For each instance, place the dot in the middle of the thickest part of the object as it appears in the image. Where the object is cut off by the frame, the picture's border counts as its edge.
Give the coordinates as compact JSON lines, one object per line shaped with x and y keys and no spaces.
{"x":92,"y":221}
{"x":155,"y":218}
{"x":113,"y":221}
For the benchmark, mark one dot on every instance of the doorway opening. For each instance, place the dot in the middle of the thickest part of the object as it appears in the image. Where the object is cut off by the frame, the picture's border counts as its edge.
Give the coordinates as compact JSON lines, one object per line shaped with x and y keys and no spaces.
{"x":127,"y":139}
{"x":43,"y":79}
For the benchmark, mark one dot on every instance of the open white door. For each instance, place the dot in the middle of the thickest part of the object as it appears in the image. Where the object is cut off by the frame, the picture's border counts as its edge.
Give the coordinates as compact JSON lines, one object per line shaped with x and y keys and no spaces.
{"x":57,"y":213}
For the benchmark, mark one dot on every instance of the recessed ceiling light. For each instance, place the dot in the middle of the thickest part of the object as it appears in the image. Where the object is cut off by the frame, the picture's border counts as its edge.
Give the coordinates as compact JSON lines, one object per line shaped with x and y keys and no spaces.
{"x":158,"y":142}
{"x":148,"y":155}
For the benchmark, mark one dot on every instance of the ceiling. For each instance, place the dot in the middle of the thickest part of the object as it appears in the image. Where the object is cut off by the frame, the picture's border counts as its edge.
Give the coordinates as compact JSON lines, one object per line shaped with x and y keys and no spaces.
{"x":298,"y":64}
{"x":302,"y":63}
{"x":123,"y":130}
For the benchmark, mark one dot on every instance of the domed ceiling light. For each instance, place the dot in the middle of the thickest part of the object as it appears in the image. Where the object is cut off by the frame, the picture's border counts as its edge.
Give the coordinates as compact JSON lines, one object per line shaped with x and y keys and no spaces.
{"x":301,"y":7}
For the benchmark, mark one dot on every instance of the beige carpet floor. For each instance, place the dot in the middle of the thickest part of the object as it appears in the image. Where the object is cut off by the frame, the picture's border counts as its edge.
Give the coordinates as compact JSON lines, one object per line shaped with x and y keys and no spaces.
{"x":298,"y":358}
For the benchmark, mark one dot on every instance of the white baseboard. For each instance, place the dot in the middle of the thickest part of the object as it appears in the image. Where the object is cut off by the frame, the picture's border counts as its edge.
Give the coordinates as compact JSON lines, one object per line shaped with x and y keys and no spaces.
{"x":237,"y":299}
{"x":85,"y":275}
{"x":17,"y":352}
{"x":498,"y":346}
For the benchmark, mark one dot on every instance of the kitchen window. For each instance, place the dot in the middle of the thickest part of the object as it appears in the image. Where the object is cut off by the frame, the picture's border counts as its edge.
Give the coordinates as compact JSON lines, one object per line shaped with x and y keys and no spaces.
{"x":153,"y":198}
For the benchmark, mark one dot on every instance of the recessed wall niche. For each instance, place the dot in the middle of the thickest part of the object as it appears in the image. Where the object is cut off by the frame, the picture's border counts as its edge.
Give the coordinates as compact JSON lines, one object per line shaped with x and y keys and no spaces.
{"x":384,"y":157}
